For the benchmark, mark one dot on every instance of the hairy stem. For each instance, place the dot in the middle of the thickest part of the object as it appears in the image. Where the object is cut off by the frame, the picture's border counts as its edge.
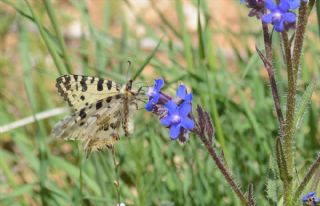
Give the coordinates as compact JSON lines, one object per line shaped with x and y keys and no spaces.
{"x":272,"y":80}
{"x":225,"y":172}
{"x":289,"y":124}
{"x":299,"y":36}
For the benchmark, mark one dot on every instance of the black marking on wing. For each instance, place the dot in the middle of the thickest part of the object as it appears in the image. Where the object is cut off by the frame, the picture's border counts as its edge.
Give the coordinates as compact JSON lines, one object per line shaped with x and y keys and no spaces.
{"x":100,"y":85}
{"x":82,"y":113}
{"x":97,"y":121}
{"x":75,"y":89}
{"x":108,"y":99}
{"x":83,"y":83}
{"x":98,"y":105}
{"x":109,"y":84}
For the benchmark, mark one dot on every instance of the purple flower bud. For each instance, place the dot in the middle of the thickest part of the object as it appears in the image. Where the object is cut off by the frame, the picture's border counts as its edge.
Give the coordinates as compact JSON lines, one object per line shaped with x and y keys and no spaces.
{"x":257,"y":7}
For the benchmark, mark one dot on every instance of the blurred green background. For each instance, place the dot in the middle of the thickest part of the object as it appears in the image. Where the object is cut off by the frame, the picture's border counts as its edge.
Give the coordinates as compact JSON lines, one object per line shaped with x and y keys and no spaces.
{"x":210,"y":47}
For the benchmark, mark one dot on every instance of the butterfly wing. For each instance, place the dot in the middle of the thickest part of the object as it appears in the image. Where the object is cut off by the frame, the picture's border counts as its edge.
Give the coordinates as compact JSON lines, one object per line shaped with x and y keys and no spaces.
{"x":80,"y":91}
{"x":100,"y":108}
{"x":96,"y":125}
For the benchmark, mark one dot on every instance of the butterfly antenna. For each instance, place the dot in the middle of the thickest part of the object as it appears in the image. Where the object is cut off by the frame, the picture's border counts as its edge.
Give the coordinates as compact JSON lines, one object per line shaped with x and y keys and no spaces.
{"x":128,"y":70}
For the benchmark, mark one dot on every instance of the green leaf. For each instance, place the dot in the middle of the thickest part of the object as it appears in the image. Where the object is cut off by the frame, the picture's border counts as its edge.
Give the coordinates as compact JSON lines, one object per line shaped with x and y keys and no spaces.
{"x":273,"y":183}
{"x":303,"y":103}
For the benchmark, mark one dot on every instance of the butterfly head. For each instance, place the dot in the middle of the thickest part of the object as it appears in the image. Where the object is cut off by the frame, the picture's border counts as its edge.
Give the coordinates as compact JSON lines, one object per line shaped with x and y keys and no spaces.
{"x":129,"y":90}
{"x":129,"y":85}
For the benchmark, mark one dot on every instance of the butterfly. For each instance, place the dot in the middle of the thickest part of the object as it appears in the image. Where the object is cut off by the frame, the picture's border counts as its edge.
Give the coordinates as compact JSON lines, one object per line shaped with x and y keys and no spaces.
{"x":100,"y":108}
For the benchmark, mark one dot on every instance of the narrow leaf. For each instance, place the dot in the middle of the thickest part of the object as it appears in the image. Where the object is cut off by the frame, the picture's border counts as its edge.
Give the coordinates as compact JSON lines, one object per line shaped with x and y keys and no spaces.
{"x":148,"y":59}
{"x":305,"y":100}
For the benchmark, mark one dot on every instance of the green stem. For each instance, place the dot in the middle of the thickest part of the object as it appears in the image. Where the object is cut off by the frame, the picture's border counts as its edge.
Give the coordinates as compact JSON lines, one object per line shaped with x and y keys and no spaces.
{"x":56,"y":28}
{"x":185,"y":36}
{"x":225,"y":172}
{"x":289,"y":124}
{"x":299,"y":36}
{"x":318,"y":16}
{"x":49,"y":44}
{"x":270,"y":69}
{"x":283,"y":170}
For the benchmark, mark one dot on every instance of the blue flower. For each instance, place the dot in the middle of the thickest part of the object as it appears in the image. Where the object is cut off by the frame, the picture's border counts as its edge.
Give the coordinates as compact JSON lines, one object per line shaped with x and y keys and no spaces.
{"x":154,"y":94}
{"x":182,"y":94}
{"x":295,"y":3}
{"x":310,"y":199}
{"x":279,"y":14}
{"x":177,"y":118}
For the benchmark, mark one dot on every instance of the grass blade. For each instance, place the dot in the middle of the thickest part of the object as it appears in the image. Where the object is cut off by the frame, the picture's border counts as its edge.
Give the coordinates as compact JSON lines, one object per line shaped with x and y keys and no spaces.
{"x":146,"y":61}
{"x":56,"y":28}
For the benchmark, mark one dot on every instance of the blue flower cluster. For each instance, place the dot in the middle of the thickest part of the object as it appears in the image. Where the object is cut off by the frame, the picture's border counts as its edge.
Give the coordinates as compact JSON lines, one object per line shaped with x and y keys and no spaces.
{"x":280,"y":15}
{"x":310,"y":199}
{"x":173,"y":113}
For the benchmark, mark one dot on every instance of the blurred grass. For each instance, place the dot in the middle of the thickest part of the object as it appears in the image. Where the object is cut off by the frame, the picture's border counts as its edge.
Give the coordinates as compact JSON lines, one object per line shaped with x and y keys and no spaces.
{"x":38,"y":170}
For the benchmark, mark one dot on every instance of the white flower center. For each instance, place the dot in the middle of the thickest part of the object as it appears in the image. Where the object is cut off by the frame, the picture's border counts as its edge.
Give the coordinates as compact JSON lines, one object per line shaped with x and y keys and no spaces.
{"x":151,"y":91}
{"x":176,"y":118}
{"x":277,"y":16}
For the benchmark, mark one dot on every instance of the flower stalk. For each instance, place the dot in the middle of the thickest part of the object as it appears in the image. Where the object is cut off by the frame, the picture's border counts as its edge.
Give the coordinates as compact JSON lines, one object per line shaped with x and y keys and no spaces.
{"x":270,"y":70}
{"x":289,"y":123}
{"x":205,"y":131}
{"x":299,"y":36}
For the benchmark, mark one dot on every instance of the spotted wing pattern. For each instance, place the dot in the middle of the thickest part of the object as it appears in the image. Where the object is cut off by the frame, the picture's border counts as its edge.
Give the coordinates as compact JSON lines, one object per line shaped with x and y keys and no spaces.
{"x":97,"y":125}
{"x":80,"y":91}
{"x":100,"y":109}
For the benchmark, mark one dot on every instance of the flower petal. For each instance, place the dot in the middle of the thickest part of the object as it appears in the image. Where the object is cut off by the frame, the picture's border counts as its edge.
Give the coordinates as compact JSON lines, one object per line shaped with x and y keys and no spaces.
{"x":289,"y":17}
{"x":269,"y":4}
{"x":294,"y":4}
{"x":166,"y":121}
{"x":187,"y":123}
{"x":284,"y":5}
{"x":182,"y":91}
{"x":309,"y":195}
{"x":188,"y":98}
{"x":316,"y":201}
{"x":184,"y":109}
{"x":149,"y":105}
{"x":171,"y":106}
{"x":279,"y":27}
{"x":267,"y":18}
{"x":155,"y":97}
{"x":158,"y":84}
{"x":175,"y":131}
